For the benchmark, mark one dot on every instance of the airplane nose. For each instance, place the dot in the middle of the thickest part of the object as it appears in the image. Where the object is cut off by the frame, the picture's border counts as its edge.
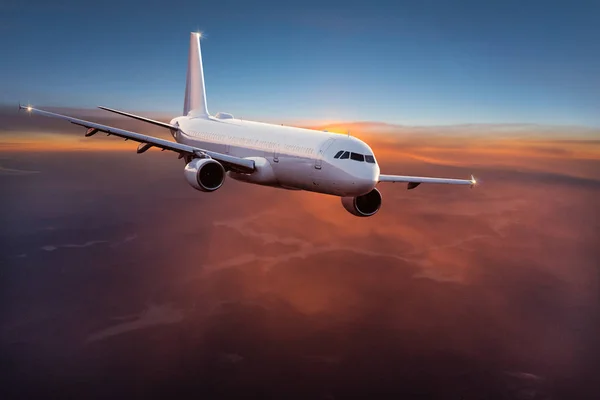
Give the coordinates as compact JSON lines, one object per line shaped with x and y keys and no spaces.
{"x":366,"y":179}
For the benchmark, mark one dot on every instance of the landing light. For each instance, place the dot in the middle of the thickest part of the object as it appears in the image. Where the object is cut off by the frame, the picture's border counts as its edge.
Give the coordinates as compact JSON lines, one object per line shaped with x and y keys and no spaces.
{"x":28,"y":108}
{"x":473,"y":180}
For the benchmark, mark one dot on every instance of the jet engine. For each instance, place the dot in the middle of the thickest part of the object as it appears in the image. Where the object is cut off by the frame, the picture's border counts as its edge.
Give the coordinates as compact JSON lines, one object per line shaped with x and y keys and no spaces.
{"x":363,"y":206}
{"x":204,"y":174}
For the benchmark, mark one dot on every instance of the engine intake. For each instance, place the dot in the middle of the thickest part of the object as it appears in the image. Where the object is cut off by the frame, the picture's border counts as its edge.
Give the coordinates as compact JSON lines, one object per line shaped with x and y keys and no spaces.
{"x":363,"y":206}
{"x":204,"y":174}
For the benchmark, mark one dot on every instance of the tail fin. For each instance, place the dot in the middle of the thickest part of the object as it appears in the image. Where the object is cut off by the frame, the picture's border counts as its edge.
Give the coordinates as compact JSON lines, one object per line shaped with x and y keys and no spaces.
{"x":195,"y":94}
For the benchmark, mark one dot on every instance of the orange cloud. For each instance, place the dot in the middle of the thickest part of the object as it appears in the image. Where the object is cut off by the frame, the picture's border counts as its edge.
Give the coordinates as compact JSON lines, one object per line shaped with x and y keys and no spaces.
{"x":500,"y":278}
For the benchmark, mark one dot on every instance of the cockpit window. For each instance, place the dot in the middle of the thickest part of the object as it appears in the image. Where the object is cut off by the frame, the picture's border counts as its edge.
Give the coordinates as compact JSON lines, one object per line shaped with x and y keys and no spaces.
{"x":342,"y":155}
{"x":357,"y":157}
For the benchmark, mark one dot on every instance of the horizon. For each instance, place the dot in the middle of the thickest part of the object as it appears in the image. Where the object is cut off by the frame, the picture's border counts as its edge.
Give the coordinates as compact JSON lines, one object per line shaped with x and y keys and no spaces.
{"x":7,"y":108}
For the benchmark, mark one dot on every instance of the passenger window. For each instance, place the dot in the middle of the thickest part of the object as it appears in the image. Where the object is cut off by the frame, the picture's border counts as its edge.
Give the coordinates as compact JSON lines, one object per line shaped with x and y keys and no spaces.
{"x":339,"y":153}
{"x":370,"y":159}
{"x":345,"y":155}
{"x":357,"y":157}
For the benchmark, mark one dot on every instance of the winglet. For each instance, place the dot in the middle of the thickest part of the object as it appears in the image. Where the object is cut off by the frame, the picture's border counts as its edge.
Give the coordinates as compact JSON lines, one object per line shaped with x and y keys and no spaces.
{"x":22,"y":107}
{"x":473,"y":181}
{"x":195,"y":93}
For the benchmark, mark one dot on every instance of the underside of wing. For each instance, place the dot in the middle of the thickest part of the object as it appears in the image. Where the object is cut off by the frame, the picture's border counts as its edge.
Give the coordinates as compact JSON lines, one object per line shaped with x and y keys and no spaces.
{"x":146,"y":142}
{"x":414,"y":181}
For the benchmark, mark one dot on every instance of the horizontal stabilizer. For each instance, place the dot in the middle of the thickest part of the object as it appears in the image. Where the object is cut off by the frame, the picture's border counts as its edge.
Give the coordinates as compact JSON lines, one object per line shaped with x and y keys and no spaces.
{"x":139,"y":118}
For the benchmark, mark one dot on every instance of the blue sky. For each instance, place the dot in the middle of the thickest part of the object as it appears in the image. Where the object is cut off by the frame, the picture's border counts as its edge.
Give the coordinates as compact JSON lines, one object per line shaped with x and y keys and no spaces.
{"x":418,"y":63}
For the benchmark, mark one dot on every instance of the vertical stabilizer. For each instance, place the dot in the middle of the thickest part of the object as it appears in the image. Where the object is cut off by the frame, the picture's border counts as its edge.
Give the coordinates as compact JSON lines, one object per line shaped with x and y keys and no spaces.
{"x":195,"y":94}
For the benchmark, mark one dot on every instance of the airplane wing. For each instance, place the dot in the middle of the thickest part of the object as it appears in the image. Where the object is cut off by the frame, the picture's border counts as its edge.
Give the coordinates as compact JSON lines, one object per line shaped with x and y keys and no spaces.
{"x":236,"y":163}
{"x":414,"y":181}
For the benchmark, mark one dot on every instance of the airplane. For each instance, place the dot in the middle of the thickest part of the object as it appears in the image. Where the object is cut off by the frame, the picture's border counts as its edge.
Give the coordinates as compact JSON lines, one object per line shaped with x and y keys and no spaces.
{"x":218,"y":146}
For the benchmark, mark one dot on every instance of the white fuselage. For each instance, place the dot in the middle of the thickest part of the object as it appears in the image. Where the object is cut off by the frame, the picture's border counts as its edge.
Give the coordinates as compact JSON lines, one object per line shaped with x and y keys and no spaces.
{"x":286,"y":157}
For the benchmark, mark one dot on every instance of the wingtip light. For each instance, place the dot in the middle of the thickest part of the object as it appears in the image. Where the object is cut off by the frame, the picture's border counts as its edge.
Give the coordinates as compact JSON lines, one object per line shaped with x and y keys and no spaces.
{"x":22,"y":107}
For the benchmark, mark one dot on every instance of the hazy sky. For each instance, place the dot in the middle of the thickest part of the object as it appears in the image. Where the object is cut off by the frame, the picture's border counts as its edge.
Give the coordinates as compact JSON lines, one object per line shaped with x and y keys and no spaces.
{"x":425,"y":62}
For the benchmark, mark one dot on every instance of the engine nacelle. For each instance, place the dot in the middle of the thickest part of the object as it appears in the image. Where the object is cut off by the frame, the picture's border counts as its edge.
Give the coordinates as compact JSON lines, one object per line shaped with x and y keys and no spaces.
{"x":363,"y":206}
{"x":204,"y":174}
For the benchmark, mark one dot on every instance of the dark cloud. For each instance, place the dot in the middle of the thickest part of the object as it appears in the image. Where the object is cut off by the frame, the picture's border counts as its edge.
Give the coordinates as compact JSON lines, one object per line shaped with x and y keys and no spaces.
{"x":155,"y":290}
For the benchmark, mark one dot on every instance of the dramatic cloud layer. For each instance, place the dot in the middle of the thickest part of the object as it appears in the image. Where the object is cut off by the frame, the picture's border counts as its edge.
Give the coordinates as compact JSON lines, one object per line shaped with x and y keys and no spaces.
{"x":119,"y":278}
